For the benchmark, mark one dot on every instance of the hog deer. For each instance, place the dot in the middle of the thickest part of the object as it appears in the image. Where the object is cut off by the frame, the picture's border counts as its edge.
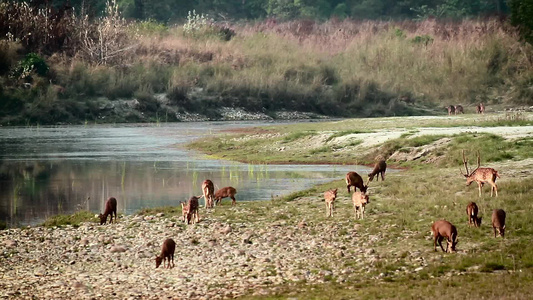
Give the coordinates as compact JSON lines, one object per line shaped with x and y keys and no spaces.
{"x":451,"y":110}
{"x":355,"y":180}
{"x":481,"y":176}
{"x":379,"y":168}
{"x":498,"y":222}
{"x":360,"y":200}
{"x":330,"y":197}
{"x":224,"y":193}
{"x":471,"y":211}
{"x":208,"y":188}
{"x":110,"y":209}
{"x":480,"y":108}
{"x":443,"y":229}
{"x":167,"y":252}
{"x":459,"y":109}
{"x":189,"y":211}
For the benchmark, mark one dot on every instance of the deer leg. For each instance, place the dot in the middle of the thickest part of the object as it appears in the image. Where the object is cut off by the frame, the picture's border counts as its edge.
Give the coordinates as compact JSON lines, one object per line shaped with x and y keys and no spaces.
{"x":440,"y":238}
{"x":435,"y":243}
{"x":348,"y":187}
{"x":362,"y":212}
{"x":233,"y":201}
{"x":382,"y":176}
{"x":479,"y":184}
{"x":173,"y":265}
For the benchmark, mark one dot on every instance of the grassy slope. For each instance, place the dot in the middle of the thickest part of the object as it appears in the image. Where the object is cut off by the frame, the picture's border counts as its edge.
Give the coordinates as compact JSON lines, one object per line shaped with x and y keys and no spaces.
{"x":401,"y":212}
{"x":334,"y":68}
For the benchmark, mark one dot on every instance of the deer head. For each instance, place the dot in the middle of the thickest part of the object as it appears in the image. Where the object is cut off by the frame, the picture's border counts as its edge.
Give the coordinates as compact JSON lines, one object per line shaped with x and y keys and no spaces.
{"x":468,"y":175}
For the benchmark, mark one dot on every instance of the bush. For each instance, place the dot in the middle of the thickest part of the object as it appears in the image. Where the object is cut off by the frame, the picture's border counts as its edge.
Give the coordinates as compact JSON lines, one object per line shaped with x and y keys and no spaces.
{"x":32,"y":62}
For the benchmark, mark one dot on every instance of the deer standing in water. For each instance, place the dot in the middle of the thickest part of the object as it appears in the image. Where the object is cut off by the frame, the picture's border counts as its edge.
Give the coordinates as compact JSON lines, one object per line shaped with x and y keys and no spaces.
{"x":481,"y":175}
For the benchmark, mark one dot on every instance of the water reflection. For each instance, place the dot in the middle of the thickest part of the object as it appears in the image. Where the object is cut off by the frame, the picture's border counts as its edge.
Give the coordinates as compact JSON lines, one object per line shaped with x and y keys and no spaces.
{"x":47,"y":171}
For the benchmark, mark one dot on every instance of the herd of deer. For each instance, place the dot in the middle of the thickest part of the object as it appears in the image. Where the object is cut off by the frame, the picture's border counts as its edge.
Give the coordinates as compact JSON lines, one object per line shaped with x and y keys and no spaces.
{"x":441,"y":229}
{"x":458,"y":109}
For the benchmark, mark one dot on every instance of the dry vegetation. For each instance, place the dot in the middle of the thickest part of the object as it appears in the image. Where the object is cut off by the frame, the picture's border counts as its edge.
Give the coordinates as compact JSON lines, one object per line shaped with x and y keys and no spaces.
{"x":342,"y":68}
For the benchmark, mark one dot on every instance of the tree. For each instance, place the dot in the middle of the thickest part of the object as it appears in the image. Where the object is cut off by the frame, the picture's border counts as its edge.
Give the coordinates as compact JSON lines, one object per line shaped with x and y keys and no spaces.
{"x":522,"y":17}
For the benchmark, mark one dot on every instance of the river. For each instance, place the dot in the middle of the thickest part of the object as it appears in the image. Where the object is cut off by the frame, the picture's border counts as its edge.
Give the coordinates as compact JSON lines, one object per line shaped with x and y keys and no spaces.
{"x":45,"y":171}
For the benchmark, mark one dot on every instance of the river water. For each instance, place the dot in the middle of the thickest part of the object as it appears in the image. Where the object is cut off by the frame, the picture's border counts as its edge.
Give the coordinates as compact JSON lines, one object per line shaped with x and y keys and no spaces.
{"x":45,"y":171}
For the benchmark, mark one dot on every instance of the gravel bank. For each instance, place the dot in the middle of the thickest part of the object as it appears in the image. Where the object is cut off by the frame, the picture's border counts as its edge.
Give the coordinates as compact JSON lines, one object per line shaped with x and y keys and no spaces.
{"x":214,"y":259}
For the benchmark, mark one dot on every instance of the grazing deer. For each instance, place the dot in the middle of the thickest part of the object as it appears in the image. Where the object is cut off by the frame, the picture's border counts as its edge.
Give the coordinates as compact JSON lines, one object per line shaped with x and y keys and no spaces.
{"x":167,"y":252}
{"x":471,"y":211}
{"x":189,"y":211}
{"x":330,"y":197}
{"x":451,"y":110}
{"x":355,"y":180}
{"x":459,"y":109}
{"x":498,"y":222}
{"x":481,"y":175}
{"x":443,"y":229}
{"x":110,"y":209}
{"x":379,"y":168}
{"x":360,"y":200}
{"x":208,"y":188}
{"x":224,"y":193}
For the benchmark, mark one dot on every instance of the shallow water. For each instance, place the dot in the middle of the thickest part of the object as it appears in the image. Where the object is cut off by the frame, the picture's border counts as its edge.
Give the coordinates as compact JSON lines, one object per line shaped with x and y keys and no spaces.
{"x":45,"y":171}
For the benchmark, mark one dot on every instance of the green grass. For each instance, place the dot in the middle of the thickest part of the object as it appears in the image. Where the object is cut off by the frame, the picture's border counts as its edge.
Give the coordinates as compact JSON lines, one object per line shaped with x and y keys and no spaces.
{"x":75,"y":219}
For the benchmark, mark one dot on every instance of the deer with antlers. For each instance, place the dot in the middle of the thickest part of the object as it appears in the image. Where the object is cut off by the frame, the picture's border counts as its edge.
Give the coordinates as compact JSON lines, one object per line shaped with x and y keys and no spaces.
{"x":481,"y":175}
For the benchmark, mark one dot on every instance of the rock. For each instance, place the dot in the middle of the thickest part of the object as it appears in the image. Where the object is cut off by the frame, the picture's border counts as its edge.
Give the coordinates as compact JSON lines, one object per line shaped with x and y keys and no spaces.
{"x":339,"y":254}
{"x":117,"y":249}
{"x":370,"y":251}
{"x":226,"y":230}
{"x":160,"y":215}
{"x":10,"y":243}
{"x":149,"y":218}
{"x":84,"y":241}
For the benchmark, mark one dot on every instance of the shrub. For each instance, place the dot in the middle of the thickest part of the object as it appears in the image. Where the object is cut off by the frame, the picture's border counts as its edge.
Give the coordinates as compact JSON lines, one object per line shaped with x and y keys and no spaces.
{"x":32,"y":62}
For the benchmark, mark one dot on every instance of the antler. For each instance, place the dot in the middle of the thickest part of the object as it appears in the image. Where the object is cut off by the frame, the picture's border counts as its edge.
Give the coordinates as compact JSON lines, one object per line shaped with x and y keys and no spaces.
{"x":465,"y":162}
{"x":478,"y":162}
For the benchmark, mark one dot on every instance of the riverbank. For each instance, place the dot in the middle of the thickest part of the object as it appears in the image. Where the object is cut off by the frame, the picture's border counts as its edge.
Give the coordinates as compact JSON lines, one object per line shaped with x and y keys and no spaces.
{"x":156,"y":73}
{"x":288,"y":248}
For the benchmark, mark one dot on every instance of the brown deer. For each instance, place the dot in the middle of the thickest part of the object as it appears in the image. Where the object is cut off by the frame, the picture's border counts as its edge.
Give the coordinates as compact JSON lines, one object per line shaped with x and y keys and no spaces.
{"x":110,"y":209}
{"x":208,"y":188}
{"x":379,"y":168}
{"x":471,"y":211}
{"x":498,"y":222}
{"x":355,"y":180}
{"x":480,"y":108}
{"x":451,"y":110}
{"x":224,"y":193}
{"x":360,"y":200}
{"x":167,"y":252}
{"x":481,"y":175}
{"x":443,"y":229}
{"x":330,"y":196}
{"x":189,"y":211}
{"x":459,"y":109}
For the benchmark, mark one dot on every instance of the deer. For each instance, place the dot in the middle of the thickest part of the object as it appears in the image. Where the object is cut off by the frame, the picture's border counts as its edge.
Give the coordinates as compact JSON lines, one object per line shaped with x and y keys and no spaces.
{"x":110,"y":209}
{"x":189,"y":211}
{"x":481,"y":176}
{"x":224,"y":193}
{"x":330,"y":196}
{"x":167,"y":252}
{"x":443,"y":229}
{"x":360,"y":200}
{"x":471,"y":211}
{"x":459,"y":109}
{"x":480,"y":108}
{"x":498,"y":222}
{"x":451,"y":110}
{"x":379,"y":168}
{"x":208,"y":188}
{"x":355,"y":180}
